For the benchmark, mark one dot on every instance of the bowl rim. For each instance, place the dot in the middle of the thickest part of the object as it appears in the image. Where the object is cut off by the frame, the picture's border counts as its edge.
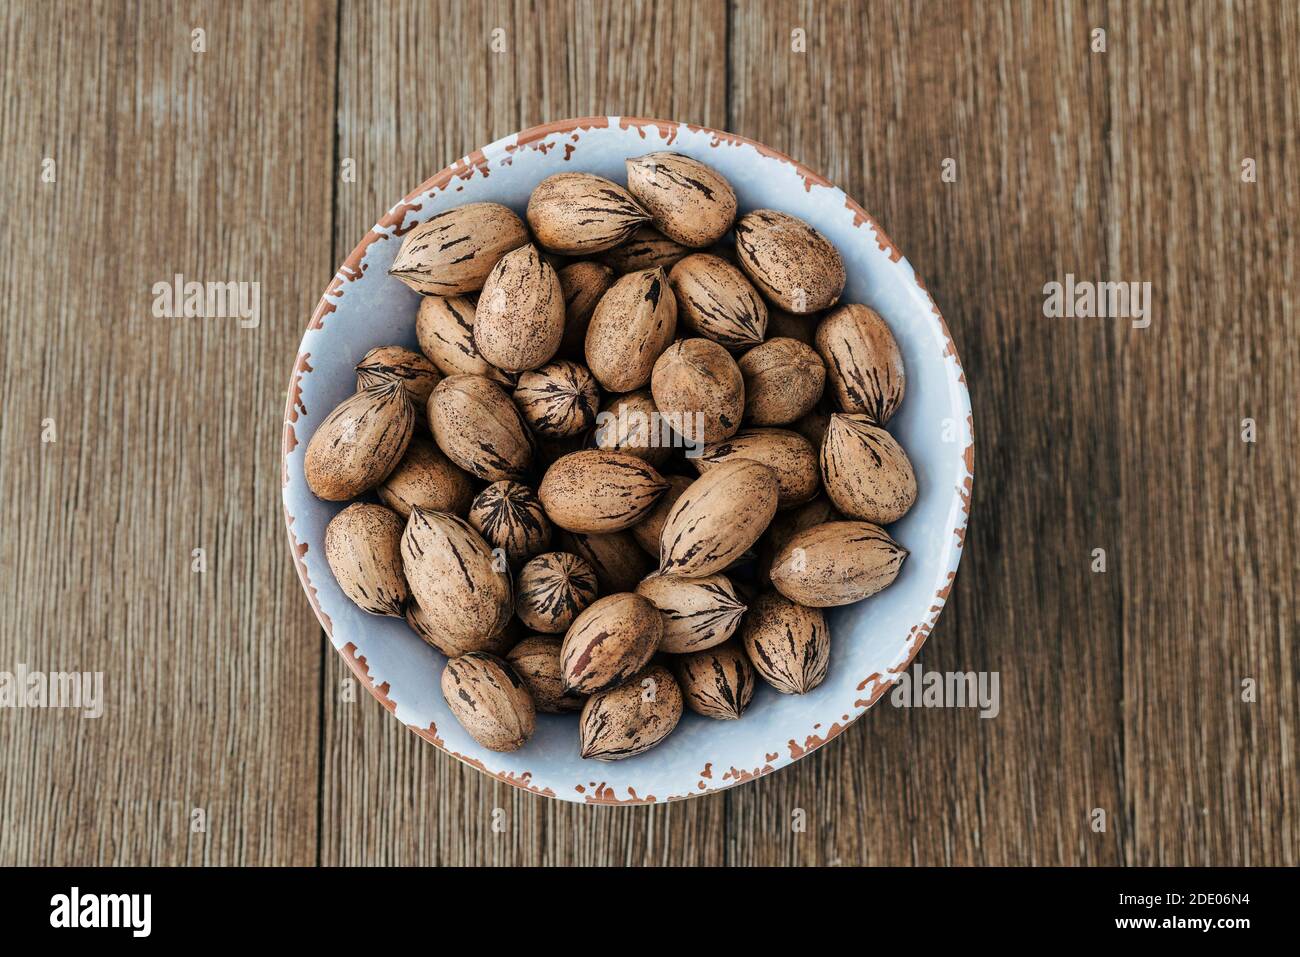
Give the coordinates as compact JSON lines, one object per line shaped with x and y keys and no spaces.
{"x":391,"y":225}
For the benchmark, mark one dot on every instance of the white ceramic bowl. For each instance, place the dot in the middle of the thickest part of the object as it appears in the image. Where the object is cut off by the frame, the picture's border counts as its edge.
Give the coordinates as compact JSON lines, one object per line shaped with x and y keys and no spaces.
{"x":871,"y":642}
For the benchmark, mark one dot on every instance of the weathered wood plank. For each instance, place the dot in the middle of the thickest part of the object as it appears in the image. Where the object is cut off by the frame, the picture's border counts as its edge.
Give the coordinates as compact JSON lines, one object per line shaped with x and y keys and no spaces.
{"x":1210,"y":527}
{"x":166,"y":161}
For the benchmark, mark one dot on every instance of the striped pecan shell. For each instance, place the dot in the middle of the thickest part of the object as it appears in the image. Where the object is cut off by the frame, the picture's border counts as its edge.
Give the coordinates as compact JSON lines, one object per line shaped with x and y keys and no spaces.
{"x":784,"y":379}
{"x":631,"y":718}
{"x":558,"y":400}
{"x":716,"y":301}
{"x":455,"y":645}
{"x":618,"y":563}
{"x":646,"y":248}
{"x":717,"y":682}
{"x":427,"y":478}
{"x":452,"y":253}
{"x":509,"y":516}
{"x":689,"y":202}
{"x":388,"y":363}
{"x":609,"y":641}
{"x":462,"y":589}
{"x":647,"y":531}
{"x":489,"y":700}
{"x":697,"y":383}
{"x":552,"y":590}
{"x":863,"y":362}
{"x":598,"y":491}
{"x":577,"y":214}
{"x":698,"y":613}
{"x":360,"y":442}
{"x":786,"y":525}
{"x":634,"y":322}
{"x":363,"y":549}
{"x":630,"y":423}
{"x":480,"y":429}
{"x":836,"y":563}
{"x":791,"y":263}
{"x":867,"y":473}
{"x":789,"y":645}
{"x":537,"y":661}
{"x":787,"y":453}
{"x":519,"y":321}
{"x":718,"y":518}
{"x":582,"y":283}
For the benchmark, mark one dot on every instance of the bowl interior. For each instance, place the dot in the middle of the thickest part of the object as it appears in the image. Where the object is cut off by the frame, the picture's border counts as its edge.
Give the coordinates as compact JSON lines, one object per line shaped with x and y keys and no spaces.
{"x":871,"y":641}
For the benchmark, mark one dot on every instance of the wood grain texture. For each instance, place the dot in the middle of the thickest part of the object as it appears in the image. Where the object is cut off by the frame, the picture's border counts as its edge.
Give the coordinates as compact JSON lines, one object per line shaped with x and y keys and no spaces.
{"x":1210,"y":526}
{"x":1120,"y":691}
{"x":166,"y":161}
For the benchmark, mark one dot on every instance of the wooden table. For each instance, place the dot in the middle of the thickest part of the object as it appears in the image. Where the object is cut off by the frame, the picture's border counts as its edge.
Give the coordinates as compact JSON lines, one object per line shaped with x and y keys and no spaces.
{"x":127,"y":441}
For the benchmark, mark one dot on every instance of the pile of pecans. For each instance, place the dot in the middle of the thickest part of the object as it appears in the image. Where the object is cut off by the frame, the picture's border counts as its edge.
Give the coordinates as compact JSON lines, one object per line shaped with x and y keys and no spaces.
{"x":598,"y":486}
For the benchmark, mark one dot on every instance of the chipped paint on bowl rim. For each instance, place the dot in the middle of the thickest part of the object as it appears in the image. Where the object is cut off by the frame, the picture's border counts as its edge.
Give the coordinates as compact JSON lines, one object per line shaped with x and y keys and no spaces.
{"x":873,"y":642}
